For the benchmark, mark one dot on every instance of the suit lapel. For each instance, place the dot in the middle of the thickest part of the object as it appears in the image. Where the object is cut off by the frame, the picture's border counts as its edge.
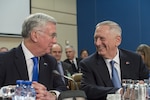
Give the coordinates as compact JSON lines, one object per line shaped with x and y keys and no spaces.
{"x":43,"y":69}
{"x":21,"y":64}
{"x":104,"y":71}
{"x":125,"y":65}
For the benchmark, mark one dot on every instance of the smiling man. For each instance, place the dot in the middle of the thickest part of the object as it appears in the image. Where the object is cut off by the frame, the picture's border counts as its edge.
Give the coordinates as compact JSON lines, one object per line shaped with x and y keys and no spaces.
{"x":108,"y":61}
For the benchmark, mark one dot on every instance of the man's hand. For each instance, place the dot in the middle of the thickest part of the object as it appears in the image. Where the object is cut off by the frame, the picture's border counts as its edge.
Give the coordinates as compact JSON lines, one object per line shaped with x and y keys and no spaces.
{"x":42,"y":93}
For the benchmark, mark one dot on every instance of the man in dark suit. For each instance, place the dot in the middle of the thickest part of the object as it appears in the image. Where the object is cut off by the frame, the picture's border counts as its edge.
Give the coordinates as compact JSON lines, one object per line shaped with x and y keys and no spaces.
{"x":97,"y":79}
{"x":71,"y":58}
{"x":39,"y":34}
{"x":63,"y":67}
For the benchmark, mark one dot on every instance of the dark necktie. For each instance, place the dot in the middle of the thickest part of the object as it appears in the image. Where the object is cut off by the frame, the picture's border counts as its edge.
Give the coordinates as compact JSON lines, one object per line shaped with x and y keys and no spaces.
{"x":115,"y":77}
{"x":74,"y":66}
{"x":35,"y":69}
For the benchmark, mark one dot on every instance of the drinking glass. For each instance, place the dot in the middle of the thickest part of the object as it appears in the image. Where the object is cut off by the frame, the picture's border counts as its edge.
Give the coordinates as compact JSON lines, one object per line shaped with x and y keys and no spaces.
{"x":147,"y":83}
{"x":134,"y":90}
{"x":126,"y":89}
{"x":7,"y":91}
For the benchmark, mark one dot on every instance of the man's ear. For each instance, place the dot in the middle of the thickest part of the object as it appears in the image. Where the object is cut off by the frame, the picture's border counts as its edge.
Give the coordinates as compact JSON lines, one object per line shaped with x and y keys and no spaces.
{"x":118,"y":40}
{"x":34,"y":36}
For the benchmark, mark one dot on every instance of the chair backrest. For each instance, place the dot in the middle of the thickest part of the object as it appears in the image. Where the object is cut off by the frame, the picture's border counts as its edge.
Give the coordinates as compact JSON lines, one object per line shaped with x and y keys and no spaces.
{"x":72,"y":95}
{"x":77,"y":78}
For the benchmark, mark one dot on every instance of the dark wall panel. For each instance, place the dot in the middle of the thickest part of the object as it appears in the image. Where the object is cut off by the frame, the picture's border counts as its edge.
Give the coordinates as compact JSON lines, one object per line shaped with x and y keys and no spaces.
{"x":145,"y":22}
{"x":85,"y":22}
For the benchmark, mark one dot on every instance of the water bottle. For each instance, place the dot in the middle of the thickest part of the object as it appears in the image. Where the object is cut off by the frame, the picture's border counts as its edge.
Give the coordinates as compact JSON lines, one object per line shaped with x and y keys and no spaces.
{"x":19,"y":91}
{"x":142,"y":92}
{"x":30,"y":93}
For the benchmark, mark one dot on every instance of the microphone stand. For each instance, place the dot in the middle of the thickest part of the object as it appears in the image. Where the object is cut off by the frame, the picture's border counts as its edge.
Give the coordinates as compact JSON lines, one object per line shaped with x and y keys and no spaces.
{"x":69,"y":78}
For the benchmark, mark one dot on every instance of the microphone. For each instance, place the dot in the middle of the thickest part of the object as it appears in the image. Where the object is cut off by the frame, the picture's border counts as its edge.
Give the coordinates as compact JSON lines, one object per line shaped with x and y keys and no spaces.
{"x":69,"y":78}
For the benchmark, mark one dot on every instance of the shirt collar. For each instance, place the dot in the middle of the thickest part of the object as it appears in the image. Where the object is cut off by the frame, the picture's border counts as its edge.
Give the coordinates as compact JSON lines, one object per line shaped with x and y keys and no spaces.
{"x":27,"y":53}
{"x":74,"y":59}
{"x":116,"y":58}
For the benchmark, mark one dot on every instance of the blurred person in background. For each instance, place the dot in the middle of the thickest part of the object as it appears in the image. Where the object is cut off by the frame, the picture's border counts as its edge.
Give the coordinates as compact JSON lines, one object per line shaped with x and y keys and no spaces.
{"x":144,"y":51}
{"x":83,"y":54}
{"x":63,"y":67}
{"x":71,"y":58}
{"x":3,"y":49}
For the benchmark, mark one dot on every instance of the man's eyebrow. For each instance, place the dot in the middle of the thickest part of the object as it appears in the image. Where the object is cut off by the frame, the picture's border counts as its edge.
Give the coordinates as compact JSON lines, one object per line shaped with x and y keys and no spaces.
{"x":54,"y":33}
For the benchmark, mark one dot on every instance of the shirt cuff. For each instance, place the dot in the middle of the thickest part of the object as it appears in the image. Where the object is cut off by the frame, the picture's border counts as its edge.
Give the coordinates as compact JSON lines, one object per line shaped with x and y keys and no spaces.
{"x":119,"y":91}
{"x":57,"y":93}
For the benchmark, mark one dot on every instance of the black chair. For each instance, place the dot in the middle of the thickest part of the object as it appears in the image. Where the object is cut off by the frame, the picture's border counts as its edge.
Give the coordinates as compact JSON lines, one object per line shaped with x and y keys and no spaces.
{"x":72,"y":95}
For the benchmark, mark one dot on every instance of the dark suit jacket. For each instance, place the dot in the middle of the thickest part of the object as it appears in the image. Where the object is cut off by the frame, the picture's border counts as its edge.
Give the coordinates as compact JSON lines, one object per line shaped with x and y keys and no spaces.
{"x":96,"y":81}
{"x":13,"y":67}
{"x":73,"y":67}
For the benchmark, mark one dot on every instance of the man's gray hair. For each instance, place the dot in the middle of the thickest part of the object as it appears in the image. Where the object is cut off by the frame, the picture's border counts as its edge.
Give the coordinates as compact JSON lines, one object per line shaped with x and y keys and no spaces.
{"x":113,"y":26}
{"x":36,"y":20}
{"x":70,"y":46}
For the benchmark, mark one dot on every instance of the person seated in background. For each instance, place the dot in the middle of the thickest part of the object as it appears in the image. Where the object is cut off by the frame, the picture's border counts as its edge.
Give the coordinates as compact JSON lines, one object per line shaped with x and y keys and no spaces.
{"x":144,"y":51}
{"x":83,"y":54}
{"x":71,"y":58}
{"x":39,"y":34}
{"x":104,"y":70}
{"x":3,"y":49}
{"x":63,"y":67}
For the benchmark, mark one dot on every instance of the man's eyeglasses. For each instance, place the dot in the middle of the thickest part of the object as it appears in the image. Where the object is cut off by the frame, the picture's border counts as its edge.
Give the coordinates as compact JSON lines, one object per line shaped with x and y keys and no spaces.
{"x":53,"y":35}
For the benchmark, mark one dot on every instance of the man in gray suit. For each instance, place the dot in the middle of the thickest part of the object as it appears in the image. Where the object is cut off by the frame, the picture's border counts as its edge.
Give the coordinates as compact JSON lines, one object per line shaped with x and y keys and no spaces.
{"x":97,"y":79}
{"x":63,"y":67}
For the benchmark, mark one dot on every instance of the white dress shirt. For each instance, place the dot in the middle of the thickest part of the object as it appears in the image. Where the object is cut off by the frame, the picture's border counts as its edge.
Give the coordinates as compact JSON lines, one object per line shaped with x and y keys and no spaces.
{"x":29,"y":61}
{"x":116,"y":65}
{"x":75,"y":62}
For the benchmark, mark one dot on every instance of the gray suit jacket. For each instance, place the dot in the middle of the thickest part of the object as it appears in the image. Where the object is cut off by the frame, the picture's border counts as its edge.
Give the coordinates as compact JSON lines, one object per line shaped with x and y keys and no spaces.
{"x":96,"y":81}
{"x":67,"y":69}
